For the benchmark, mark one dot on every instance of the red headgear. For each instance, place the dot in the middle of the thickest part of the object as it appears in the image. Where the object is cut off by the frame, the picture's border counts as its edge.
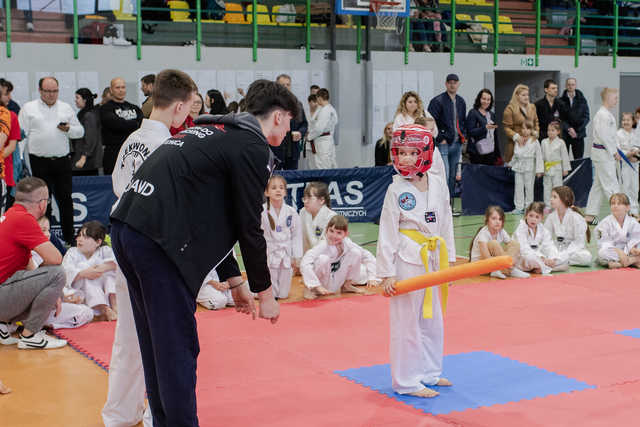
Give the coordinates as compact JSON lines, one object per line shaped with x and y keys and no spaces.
{"x":416,"y":137}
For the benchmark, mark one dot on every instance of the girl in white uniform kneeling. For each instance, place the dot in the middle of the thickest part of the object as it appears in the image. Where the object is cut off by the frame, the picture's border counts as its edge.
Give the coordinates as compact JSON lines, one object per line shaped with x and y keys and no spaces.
{"x":315,"y":214}
{"x":415,"y":225}
{"x":492,"y":241}
{"x":538,"y":254}
{"x":283,"y":233}
{"x":333,"y":265}
{"x":568,"y":228}
{"x":214,"y":294}
{"x":619,"y":235}
{"x":91,"y":268}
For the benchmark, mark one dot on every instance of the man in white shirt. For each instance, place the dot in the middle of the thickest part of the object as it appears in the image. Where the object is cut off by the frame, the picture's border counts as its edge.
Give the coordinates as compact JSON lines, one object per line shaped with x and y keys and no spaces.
{"x":321,"y":131}
{"x":48,"y":124}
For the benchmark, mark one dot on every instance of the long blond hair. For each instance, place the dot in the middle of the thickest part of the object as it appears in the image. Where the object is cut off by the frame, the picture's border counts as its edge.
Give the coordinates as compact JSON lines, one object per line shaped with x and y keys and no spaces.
{"x":402,"y":108}
{"x":384,"y":142}
{"x":514,"y":97}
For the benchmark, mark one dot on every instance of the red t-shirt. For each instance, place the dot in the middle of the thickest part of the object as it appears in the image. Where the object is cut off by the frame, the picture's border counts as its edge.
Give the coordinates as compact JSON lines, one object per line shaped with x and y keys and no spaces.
{"x":14,"y":133}
{"x":188,"y":123}
{"x":19,"y":234}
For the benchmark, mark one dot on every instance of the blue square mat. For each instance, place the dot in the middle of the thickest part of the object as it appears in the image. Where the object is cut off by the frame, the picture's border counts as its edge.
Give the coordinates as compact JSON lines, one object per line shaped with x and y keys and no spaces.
{"x":480,"y":378}
{"x":635,"y":333}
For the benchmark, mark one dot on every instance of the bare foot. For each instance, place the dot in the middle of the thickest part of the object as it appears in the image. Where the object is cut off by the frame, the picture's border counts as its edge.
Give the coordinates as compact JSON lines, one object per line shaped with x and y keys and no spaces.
{"x":443,"y":382}
{"x":309,"y":294}
{"x":110,"y":314}
{"x":348,"y":287}
{"x":321,"y":290}
{"x":4,"y":389}
{"x":614,"y":264}
{"x":425,"y":392}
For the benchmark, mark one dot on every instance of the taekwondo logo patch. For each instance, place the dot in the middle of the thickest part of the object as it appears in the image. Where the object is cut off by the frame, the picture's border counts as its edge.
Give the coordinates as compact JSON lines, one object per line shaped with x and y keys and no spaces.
{"x":407,"y":201}
{"x":429,"y":217}
{"x":278,"y":229}
{"x":289,"y":220}
{"x":318,"y":232}
{"x":560,"y":239}
{"x":335,"y":266}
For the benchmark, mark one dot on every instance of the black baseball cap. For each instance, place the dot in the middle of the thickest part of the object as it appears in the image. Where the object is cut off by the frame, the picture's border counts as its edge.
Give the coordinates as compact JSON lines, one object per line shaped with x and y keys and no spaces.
{"x":452,"y":77}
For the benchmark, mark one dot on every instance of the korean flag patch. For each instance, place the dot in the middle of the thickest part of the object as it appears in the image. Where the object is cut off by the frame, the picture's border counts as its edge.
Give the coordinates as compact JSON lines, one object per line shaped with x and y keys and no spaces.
{"x":289,"y":220}
{"x":318,"y":232}
{"x":429,"y":217}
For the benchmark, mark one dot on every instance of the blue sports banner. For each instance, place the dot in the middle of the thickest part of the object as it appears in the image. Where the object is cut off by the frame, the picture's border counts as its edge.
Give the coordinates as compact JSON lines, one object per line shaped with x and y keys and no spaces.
{"x":494,"y":185}
{"x":356,"y":193}
{"x":92,"y":200}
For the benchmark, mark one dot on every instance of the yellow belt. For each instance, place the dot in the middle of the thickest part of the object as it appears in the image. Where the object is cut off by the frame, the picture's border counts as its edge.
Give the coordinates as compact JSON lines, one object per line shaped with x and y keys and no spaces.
{"x":549,"y":165}
{"x":430,"y":244}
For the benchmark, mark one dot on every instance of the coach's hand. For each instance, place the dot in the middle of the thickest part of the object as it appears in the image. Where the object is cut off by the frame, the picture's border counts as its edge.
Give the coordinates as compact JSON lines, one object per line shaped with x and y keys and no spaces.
{"x":269,"y":307}
{"x":243,"y":298}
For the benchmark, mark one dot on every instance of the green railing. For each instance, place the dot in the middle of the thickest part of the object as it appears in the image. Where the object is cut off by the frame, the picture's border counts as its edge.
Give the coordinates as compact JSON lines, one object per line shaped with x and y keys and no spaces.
{"x":499,"y":34}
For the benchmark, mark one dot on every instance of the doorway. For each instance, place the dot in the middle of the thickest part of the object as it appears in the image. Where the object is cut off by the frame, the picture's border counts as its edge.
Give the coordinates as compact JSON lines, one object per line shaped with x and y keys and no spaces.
{"x":506,"y":81}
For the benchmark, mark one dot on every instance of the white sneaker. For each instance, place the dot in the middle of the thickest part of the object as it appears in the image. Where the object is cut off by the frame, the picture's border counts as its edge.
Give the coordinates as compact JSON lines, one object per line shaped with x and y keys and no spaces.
{"x":40,"y":340}
{"x":498,"y":274}
{"x":519,"y":274}
{"x":121,"y":42}
{"x":5,"y":335}
{"x":107,"y":40}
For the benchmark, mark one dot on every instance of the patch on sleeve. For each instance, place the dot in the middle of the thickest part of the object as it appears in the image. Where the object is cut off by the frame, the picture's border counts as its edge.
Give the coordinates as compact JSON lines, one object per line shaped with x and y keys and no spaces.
{"x":407,"y":201}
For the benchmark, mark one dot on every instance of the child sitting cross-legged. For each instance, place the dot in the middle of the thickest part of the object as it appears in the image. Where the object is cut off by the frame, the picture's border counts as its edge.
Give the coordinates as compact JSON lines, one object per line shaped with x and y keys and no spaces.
{"x":333,"y":265}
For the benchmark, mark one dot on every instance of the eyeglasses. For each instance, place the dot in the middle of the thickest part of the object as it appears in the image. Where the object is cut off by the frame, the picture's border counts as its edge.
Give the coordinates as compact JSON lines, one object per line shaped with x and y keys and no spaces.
{"x":49,"y":91}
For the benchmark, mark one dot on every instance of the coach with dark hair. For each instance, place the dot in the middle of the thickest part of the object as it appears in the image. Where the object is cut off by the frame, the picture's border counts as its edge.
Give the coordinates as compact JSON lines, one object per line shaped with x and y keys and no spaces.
{"x":549,"y":108}
{"x":188,"y":204}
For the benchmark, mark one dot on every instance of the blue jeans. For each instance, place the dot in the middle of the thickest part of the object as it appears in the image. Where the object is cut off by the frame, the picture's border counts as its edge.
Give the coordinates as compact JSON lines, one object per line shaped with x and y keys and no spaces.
{"x":451,"y":157}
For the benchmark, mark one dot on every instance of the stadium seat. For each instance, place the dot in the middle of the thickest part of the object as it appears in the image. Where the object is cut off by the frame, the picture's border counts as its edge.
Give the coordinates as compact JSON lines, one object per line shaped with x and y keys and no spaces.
{"x":262,"y":15}
{"x":123,"y":11}
{"x":463,"y":17}
{"x":275,"y":11}
{"x":486,"y":21}
{"x":234,"y":14}
{"x":176,"y":14}
{"x":506,"y":26}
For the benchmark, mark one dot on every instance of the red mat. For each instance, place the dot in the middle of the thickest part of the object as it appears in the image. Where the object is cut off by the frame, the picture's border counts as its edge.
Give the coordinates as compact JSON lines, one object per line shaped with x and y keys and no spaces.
{"x":254,"y":373}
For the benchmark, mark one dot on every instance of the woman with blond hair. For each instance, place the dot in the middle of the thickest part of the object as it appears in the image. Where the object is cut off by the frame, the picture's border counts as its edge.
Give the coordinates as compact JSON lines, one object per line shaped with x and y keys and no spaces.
{"x":409,"y":109}
{"x":519,"y":111}
{"x":383,"y":146}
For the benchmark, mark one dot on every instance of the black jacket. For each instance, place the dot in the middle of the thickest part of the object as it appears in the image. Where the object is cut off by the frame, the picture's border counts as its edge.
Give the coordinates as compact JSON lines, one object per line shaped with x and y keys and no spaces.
{"x":577,"y":115}
{"x":199,"y":193}
{"x":90,"y":144}
{"x":547,"y":114}
{"x":382,"y":153}
{"x":441,"y":108}
{"x":476,"y":126}
{"x":118,"y":120}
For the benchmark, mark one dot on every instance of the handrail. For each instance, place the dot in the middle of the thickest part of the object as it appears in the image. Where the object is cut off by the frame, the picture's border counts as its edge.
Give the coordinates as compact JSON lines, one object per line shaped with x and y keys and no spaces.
{"x":7,"y":8}
{"x":307,"y":31}
{"x":496,"y":31}
{"x":139,"y":29}
{"x":615,"y":33}
{"x":254,"y":23}
{"x":578,"y":40}
{"x":75,"y":29}
{"x":198,"y":29}
{"x":538,"y":19}
{"x":452,"y":49}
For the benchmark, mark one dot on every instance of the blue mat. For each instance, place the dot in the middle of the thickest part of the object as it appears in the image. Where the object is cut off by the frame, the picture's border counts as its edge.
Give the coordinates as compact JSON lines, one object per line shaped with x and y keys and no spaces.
{"x":635,"y":333}
{"x":480,"y":379}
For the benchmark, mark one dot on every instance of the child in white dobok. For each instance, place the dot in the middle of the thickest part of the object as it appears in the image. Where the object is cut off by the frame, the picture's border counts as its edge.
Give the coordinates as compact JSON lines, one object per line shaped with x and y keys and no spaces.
{"x":91,"y":269}
{"x":619,"y":235}
{"x":568,"y":228}
{"x":333,"y":265}
{"x":214,"y":294}
{"x":526,"y":165}
{"x":492,"y":240}
{"x":538,"y":254}
{"x":315,"y":214}
{"x":416,"y":224}
{"x":556,"y":160}
{"x":73,"y":313}
{"x":283,"y":233}
{"x":629,"y":144}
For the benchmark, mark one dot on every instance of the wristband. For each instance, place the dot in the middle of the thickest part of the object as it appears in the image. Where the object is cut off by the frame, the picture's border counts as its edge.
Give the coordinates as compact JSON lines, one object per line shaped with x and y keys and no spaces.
{"x":238,"y":285}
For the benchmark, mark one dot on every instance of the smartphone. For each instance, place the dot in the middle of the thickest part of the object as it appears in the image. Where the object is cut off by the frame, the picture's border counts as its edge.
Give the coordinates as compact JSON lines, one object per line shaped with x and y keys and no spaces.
{"x":62,"y":124}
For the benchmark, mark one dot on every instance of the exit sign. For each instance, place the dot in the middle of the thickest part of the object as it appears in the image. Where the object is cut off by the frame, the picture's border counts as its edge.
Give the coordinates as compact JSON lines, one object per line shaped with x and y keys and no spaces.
{"x":527,"y":62}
